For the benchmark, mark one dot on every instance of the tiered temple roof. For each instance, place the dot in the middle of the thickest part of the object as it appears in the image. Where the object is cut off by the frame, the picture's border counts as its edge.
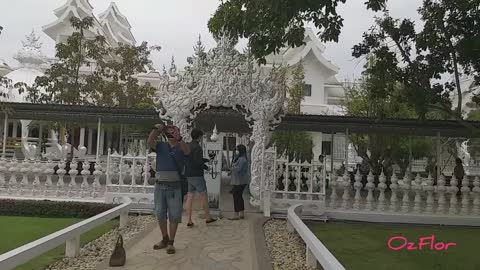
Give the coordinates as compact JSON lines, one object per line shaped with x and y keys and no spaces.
{"x":111,"y":24}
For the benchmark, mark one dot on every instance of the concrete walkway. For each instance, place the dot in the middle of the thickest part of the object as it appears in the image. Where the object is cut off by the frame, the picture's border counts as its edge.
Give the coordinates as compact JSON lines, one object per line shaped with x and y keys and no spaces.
{"x":222,"y":245}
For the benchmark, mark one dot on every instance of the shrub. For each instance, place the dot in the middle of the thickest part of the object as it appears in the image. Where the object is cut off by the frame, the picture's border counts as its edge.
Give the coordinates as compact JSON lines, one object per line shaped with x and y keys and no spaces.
{"x":51,"y":209}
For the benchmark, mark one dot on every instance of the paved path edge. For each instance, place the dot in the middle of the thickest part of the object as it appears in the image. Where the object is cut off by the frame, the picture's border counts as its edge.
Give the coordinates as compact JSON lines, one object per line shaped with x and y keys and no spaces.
{"x":260,"y":256}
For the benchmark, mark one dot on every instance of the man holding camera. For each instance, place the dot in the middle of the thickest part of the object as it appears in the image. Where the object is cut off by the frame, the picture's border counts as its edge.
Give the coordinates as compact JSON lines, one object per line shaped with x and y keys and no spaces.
{"x":168,"y":182}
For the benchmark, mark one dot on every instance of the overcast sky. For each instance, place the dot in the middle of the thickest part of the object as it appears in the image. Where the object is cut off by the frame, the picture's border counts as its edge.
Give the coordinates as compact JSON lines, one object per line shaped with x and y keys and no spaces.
{"x":176,"y":24}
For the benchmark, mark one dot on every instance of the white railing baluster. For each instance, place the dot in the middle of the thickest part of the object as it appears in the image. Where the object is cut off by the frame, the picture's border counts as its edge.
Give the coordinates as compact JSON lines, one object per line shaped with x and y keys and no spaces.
{"x":394,"y":198}
{"x":476,"y":192}
{"x":72,"y":187}
{"x":406,"y":193}
{"x":13,"y":169}
{"x":428,"y":187}
{"x":60,"y":183}
{"x":24,"y":170}
{"x":382,"y":186}
{"x":346,"y":191}
{"x":417,"y":188}
{"x":85,"y":173}
{"x":3,"y":182}
{"x":36,"y":169}
{"x":370,"y":186}
{"x":441,"y":194}
{"x":358,"y":187}
{"x":465,"y":196}
{"x":96,"y":182}
{"x":453,"y":195}
{"x":48,"y":170}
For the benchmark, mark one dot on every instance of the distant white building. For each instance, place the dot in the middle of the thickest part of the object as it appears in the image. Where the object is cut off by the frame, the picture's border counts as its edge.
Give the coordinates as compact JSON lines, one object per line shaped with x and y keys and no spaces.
{"x":323,"y":92}
{"x":469,"y":89}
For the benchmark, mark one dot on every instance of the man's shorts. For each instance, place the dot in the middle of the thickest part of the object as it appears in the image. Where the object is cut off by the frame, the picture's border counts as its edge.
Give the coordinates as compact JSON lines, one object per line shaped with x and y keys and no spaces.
{"x":197,"y":184}
{"x":168,"y":201}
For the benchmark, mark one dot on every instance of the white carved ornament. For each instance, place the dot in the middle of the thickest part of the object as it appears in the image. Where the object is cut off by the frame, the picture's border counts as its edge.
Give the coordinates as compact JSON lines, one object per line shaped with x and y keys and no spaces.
{"x":226,"y":78}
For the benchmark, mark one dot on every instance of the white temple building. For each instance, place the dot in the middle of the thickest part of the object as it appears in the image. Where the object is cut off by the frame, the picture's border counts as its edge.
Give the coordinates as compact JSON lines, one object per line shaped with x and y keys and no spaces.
{"x":323,"y":92}
{"x":469,"y":89}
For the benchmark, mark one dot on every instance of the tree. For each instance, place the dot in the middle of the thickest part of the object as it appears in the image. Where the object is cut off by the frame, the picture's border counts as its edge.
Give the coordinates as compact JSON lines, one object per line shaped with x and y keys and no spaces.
{"x":119,"y":85}
{"x":5,"y":86}
{"x":110,"y":81}
{"x":270,"y":25}
{"x":369,"y":99}
{"x":296,"y":144}
{"x":64,"y":82}
{"x":447,"y":46}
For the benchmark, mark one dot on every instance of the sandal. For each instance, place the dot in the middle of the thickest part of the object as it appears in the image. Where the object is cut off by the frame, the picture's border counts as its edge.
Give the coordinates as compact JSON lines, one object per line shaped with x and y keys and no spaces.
{"x":170,"y":248}
{"x":190,"y":224}
{"x":161,"y":245}
{"x":211,"y":220}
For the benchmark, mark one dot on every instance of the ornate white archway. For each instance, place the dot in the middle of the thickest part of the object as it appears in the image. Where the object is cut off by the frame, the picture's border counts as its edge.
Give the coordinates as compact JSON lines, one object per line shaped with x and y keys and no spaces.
{"x":226,"y":78}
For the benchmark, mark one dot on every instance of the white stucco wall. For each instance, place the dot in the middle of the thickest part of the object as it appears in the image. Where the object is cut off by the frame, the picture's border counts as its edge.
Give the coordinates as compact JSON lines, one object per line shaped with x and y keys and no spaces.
{"x":315,"y":76}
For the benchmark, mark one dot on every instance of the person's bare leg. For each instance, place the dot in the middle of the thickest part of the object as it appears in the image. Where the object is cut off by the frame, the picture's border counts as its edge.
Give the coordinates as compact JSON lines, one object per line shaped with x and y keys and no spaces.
{"x":205,"y":206}
{"x":189,"y":207}
{"x":164,"y":230}
{"x":173,"y":230}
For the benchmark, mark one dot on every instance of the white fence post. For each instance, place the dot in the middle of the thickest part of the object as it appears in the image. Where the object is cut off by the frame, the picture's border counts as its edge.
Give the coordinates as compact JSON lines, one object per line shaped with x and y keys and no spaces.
{"x":310,"y":258}
{"x":72,"y":247}
{"x":123,"y":219}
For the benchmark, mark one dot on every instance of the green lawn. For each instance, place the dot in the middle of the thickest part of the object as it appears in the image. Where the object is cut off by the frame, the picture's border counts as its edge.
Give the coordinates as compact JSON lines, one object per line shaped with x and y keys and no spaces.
{"x":17,"y":231}
{"x":364,"y":246}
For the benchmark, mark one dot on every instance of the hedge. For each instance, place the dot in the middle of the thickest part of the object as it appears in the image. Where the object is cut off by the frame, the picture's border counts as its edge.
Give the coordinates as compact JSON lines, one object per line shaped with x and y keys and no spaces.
{"x":51,"y":209}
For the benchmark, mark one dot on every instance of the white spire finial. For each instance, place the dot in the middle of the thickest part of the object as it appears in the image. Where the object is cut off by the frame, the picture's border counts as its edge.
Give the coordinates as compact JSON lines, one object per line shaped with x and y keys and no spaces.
{"x":214,"y":136}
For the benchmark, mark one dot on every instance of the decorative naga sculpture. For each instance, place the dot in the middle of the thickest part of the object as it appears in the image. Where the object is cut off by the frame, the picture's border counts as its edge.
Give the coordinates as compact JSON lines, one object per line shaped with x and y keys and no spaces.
{"x":224,"y":77}
{"x":463,"y":154}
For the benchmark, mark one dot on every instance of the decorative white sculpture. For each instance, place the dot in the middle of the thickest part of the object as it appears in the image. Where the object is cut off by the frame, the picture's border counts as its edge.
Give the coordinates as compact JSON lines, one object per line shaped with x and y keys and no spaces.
{"x":463,"y":154}
{"x":226,"y":78}
{"x":214,"y":136}
{"x":29,"y":150}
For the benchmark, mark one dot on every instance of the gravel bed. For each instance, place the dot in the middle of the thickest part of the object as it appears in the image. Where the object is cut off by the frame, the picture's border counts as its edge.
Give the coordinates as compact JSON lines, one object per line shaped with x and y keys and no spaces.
{"x":101,"y":248}
{"x":287,"y":250}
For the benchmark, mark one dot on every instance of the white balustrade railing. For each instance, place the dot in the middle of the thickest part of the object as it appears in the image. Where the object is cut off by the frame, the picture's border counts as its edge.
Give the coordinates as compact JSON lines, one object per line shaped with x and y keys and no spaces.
{"x":411,"y":194}
{"x":300,"y":181}
{"x":130,"y":175}
{"x":316,"y":252}
{"x":70,"y":236}
{"x":39,"y":179}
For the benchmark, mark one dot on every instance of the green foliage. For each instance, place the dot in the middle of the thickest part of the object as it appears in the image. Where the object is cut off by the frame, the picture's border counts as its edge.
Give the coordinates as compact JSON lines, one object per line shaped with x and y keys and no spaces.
{"x":112,"y":77}
{"x":269,"y":25}
{"x":295,"y":144}
{"x":378,"y":96}
{"x":444,"y":47}
{"x":51,"y":209}
{"x":296,"y":90}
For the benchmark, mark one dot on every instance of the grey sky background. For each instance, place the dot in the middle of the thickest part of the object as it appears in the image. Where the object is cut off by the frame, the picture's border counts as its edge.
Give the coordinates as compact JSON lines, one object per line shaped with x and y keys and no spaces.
{"x":176,"y":24}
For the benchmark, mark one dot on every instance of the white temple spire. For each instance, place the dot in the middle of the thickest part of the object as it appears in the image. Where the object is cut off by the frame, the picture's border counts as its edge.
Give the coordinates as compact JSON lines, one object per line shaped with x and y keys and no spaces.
{"x":30,"y":54}
{"x":116,"y":26}
{"x":61,"y":29}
